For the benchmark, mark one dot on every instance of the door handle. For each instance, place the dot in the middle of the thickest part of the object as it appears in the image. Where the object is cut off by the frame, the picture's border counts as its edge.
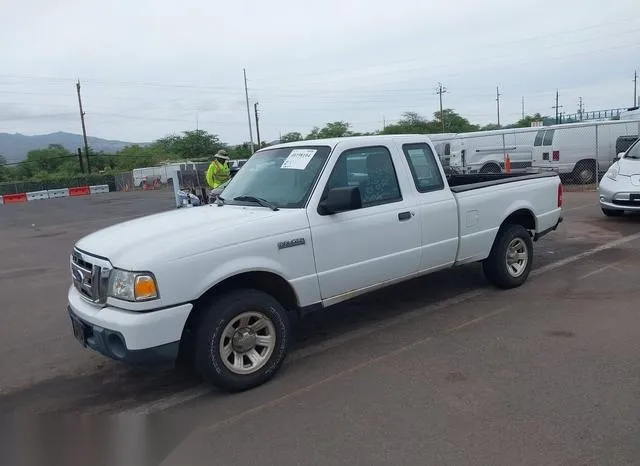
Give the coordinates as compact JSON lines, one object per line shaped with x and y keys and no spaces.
{"x":402,"y":216}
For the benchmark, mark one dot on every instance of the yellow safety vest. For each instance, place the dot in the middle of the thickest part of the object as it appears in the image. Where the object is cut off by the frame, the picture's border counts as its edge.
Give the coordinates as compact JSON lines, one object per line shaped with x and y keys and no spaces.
{"x":217,"y":174}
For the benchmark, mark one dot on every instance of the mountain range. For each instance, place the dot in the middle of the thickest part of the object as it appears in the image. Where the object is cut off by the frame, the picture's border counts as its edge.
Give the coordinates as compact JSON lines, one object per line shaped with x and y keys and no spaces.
{"x":14,"y":147}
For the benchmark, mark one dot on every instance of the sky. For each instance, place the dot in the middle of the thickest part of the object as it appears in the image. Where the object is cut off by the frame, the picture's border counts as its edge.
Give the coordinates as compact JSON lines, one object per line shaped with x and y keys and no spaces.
{"x":149,"y":68}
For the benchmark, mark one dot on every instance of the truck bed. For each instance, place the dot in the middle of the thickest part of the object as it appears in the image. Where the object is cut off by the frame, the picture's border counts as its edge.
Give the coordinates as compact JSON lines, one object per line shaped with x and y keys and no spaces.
{"x":462,"y":183}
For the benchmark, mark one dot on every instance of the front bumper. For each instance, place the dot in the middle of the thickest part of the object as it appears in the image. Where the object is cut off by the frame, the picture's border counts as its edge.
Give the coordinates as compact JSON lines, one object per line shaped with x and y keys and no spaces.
{"x":131,"y":337}
{"x":620,"y":194}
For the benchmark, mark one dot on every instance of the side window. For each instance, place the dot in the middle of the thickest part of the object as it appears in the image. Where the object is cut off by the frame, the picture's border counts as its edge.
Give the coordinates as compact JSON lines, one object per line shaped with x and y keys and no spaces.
{"x":447,"y":149}
{"x":538,"y":140}
{"x":371,"y":170}
{"x":548,"y":137}
{"x":424,"y":168}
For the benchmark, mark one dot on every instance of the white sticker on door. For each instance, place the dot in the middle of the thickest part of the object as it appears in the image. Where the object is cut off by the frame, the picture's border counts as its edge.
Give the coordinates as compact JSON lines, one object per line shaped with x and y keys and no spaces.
{"x":298,"y":159}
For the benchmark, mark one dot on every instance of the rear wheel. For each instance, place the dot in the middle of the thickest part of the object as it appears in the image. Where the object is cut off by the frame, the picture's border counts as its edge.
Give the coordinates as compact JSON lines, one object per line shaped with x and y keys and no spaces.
{"x":612,"y":212}
{"x":511,"y":257}
{"x":242,"y":340}
{"x":585,"y":172}
{"x":491,"y":168}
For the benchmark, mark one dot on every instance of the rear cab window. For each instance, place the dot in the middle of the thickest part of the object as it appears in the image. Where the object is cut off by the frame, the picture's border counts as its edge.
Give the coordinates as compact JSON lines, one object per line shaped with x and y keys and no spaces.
{"x":548,"y":137}
{"x":424,"y":168}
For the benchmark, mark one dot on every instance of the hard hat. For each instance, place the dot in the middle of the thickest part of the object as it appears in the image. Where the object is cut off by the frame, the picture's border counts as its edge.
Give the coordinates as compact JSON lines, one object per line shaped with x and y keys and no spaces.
{"x":222,"y":154}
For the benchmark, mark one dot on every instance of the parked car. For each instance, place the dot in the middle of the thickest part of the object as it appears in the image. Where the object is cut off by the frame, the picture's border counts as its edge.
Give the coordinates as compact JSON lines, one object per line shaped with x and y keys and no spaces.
{"x":303,"y":226}
{"x":620,"y":186}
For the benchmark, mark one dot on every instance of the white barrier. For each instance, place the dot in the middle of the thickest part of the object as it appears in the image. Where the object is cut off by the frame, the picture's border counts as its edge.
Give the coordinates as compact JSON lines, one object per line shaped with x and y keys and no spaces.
{"x":62,"y":192}
{"x":1,"y":201}
{"x":102,"y":188}
{"x":37,"y":195}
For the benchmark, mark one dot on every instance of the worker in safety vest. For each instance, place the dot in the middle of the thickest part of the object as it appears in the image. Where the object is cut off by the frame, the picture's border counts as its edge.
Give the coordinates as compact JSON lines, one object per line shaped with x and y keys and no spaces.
{"x":218,"y":172}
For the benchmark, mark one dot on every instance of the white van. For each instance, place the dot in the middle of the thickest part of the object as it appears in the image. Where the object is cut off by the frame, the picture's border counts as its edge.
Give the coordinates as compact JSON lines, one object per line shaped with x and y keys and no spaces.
{"x":485,"y":151}
{"x":570,"y":149}
{"x":442,"y":143}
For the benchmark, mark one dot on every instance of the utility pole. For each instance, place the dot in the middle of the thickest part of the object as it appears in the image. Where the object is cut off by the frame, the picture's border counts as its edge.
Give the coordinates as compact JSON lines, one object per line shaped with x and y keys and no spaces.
{"x":635,"y":88}
{"x":523,"y":107}
{"x":80,"y":160}
{"x":84,"y":129}
{"x":498,"y":103}
{"x":580,"y":108}
{"x":255,"y":108}
{"x":246,"y":94}
{"x":441,"y":90}
{"x":557,"y":108}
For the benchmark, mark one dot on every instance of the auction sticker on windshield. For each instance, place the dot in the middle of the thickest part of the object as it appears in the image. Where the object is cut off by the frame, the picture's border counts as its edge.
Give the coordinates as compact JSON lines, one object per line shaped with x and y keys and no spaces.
{"x":298,"y":159}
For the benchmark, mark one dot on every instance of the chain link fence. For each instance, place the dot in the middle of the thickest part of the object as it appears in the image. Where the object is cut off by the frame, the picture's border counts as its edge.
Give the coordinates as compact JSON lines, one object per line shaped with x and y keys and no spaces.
{"x":580,"y":153}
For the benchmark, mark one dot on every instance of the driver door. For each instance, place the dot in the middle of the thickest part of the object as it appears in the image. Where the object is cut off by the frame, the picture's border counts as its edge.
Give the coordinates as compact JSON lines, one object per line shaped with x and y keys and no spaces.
{"x":377,"y":243}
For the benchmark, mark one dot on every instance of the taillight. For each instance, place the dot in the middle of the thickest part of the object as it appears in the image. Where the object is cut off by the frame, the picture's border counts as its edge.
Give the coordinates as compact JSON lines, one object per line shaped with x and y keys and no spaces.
{"x":556,"y":155}
{"x":560,"y":195}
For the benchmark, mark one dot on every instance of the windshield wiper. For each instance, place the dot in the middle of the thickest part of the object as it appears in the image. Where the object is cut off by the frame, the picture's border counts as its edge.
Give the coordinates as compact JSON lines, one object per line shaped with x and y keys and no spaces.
{"x":258,"y":200}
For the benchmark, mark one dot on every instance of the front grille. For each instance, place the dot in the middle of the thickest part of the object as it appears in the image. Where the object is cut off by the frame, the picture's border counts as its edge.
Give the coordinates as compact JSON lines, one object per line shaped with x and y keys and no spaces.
{"x":89,"y":278}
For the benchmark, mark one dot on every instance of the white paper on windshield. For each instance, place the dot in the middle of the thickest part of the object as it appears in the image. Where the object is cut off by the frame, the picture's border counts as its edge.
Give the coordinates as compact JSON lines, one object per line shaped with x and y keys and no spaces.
{"x":298,"y":159}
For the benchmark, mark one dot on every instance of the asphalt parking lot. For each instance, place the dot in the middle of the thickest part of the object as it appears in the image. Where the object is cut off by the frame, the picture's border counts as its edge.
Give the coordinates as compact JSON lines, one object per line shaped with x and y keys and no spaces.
{"x":441,"y":370}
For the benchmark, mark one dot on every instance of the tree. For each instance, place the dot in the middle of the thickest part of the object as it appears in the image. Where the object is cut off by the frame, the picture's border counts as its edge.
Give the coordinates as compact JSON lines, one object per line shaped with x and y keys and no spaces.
{"x":44,"y":162}
{"x":191,"y":145}
{"x":527,"y":120}
{"x":4,"y":171}
{"x":337,"y":129}
{"x":453,"y":123}
{"x":291,"y":137}
{"x":410,"y":123}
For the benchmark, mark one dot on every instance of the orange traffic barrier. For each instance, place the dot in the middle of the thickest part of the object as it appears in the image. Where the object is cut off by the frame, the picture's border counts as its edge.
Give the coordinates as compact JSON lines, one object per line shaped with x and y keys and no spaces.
{"x":79,"y":191}
{"x":14,"y":198}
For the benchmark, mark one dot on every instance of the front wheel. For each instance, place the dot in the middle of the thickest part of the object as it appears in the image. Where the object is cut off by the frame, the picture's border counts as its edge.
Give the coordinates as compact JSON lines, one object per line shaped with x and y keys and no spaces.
{"x":242,"y":340}
{"x":511,"y":257}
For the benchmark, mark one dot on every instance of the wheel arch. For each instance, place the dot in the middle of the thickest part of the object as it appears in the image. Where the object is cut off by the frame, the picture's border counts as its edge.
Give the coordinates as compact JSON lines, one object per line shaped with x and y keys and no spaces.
{"x":268,"y":282}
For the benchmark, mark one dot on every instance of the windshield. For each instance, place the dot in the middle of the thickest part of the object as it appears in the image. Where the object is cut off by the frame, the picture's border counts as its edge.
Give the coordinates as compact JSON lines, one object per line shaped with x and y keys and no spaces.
{"x":282,"y":176}
{"x":634,"y":151}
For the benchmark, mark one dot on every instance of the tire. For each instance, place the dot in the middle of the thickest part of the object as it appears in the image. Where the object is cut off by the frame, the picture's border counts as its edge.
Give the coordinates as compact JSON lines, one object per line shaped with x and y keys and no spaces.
{"x":227,"y":327}
{"x":496,"y":269}
{"x":612,"y":213}
{"x":585,"y":172}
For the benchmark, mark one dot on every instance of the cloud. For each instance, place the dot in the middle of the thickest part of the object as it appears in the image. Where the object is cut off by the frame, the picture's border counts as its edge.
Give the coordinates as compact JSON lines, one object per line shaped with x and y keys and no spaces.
{"x":157,"y":66}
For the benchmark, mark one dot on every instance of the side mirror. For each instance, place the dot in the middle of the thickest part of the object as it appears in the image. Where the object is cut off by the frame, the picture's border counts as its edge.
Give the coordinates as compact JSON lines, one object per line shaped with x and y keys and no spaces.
{"x":340,"y":200}
{"x":619,"y":156}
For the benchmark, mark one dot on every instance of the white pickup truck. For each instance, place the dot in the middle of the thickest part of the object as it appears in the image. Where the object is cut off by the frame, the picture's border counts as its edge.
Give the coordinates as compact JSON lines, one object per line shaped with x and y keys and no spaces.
{"x":302,"y":226}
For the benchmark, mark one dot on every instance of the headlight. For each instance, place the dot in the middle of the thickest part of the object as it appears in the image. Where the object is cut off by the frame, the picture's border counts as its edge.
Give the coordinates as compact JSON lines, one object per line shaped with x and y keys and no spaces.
{"x":132,"y":286}
{"x":612,"y":173}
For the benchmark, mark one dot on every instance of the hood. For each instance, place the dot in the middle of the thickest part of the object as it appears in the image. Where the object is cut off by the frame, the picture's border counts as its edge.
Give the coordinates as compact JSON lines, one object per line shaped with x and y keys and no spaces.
{"x":628,"y":167}
{"x":180,"y":232}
